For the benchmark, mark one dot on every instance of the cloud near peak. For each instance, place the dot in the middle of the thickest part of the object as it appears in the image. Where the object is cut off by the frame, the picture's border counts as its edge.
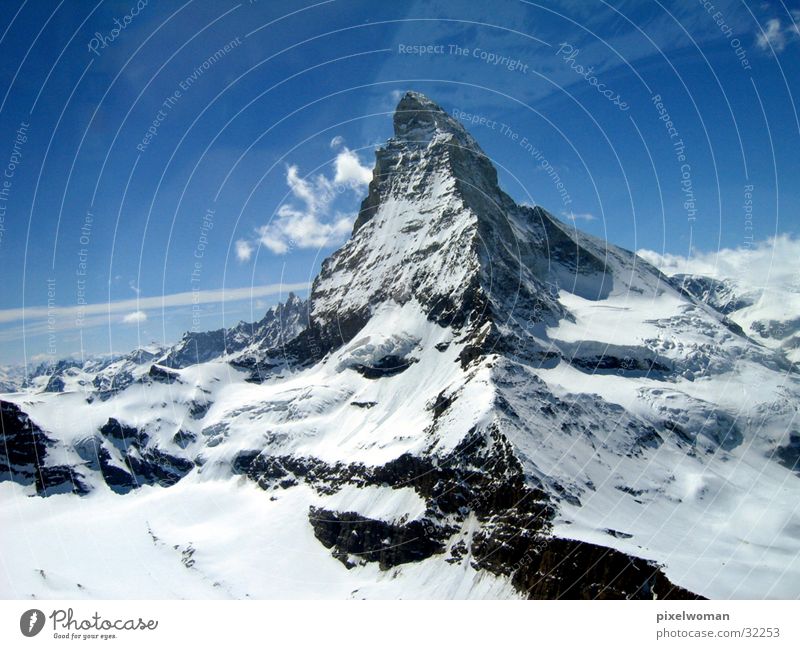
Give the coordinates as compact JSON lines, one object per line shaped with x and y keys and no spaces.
{"x":309,"y":219}
{"x":350,"y":171}
{"x":769,"y":264}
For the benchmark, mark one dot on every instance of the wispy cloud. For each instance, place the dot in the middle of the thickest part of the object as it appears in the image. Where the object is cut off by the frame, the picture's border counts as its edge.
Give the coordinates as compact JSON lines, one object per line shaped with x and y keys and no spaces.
{"x":579,"y":216}
{"x":173,"y":300}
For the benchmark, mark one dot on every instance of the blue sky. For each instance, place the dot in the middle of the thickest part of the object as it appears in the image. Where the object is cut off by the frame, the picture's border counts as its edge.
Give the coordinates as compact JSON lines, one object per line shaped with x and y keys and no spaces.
{"x":190,"y":168}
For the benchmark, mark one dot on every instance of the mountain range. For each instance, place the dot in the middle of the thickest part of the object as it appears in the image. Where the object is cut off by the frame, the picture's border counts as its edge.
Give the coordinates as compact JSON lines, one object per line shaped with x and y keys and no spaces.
{"x":475,"y":400}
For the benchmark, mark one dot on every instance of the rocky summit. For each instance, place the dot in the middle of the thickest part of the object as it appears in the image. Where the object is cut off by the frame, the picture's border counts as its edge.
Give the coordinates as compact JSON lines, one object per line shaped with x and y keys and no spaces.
{"x":476,"y":400}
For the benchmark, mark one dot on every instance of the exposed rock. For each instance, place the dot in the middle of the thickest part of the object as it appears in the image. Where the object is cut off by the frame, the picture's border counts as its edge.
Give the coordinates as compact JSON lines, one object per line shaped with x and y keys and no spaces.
{"x":721,"y":295}
{"x":248,"y":343}
{"x":353,"y":536}
{"x":514,"y":538}
{"x":163,"y":375}
{"x":51,"y":480}
{"x":24,"y":456}
{"x":184,"y":438}
{"x":565,"y":569}
{"x":789,"y":455}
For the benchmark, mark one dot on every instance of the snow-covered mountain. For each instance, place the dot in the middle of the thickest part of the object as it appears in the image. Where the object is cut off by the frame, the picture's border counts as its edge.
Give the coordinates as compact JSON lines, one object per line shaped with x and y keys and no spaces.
{"x":246,"y":343}
{"x":12,"y":377}
{"x":476,"y":401}
{"x":756,"y":286}
{"x":250,"y":345}
{"x":767,"y":315}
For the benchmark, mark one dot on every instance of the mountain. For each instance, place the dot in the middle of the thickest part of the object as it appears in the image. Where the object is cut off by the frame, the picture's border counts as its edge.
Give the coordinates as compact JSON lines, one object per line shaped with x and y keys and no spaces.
{"x":249,"y":345}
{"x":768,"y":315}
{"x":12,"y":378}
{"x":245,"y":342}
{"x":720,"y":294}
{"x":476,"y":401}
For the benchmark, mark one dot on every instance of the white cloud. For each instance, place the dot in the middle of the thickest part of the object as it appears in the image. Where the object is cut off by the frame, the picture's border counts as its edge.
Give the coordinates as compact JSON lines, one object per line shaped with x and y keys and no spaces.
{"x":316,"y":193}
{"x":135,"y":317}
{"x":244,"y":250}
{"x":273,"y":240}
{"x":772,"y":36}
{"x":768,"y":264}
{"x":350,"y":171}
{"x":310,"y":220}
{"x":337,"y":141}
{"x":775,"y":36}
{"x":303,"y":230}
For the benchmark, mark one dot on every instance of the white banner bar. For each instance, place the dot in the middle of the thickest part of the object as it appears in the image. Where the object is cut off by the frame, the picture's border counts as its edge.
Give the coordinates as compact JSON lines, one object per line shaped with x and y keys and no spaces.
{"x":389,"y":624}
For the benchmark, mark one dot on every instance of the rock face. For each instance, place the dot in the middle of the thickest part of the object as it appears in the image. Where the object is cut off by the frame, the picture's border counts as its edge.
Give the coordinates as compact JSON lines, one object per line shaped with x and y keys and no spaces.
{"x":721,"y":295}
{"x":765,"y":313}
{"x":513,"y":519}
{"x":250,"y":341}
{"x":24,"y":456}
{"x":436,"y":228}
{"x":473,"y":388}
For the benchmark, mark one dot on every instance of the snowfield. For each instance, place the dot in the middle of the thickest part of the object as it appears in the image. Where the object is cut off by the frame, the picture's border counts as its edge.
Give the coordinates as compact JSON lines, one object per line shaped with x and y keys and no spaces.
{"x":203,"y":539}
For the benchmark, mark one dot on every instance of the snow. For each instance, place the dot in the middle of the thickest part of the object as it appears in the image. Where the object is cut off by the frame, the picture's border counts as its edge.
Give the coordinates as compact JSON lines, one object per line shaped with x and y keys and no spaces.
{"x":723,"y":520}
{"x":381,"y":503}
{"x":312,"y":413}
{"x":623,"y":319}
{"x":764,"y":274}
{"x":188,"y":541}
{"x":707,"y":524}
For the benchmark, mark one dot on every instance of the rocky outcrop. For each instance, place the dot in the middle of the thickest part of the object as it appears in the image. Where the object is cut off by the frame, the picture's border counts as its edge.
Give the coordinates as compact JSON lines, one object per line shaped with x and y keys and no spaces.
{"x":252,"y":341}
{"x":565,"y":569}
{"x":126,"y":459}
{"x":479,"y":481}
{"x":24,"y":456}
{"x":720,"y":295}
{"x":354,"y":539}
{"x":789,"y":454}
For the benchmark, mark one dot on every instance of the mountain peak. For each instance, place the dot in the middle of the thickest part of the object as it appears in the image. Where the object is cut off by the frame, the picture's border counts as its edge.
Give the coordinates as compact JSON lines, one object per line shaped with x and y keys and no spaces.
{"x":436,"y":228}
{"x":427,"y":143}
{"x":417,"y":118}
